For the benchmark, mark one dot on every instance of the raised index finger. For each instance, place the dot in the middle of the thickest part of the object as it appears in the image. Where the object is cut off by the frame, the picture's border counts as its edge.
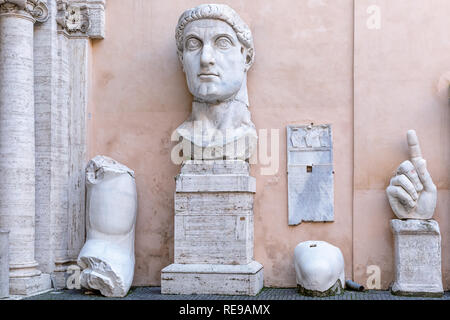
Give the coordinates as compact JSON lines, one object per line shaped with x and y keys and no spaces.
{"x":414,"y":147}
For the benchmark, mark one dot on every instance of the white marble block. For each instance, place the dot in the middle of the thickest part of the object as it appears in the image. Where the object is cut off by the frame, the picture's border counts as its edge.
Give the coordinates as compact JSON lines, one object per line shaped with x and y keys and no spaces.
{"x":417,"y":258}
{"x":107,"y":258}
{"x":211,"y":199}
{"x":213,"y":231}
{"x":319,"y":268}
{"x":17,"y":142}
{"x":310,"y":173}
{"x":200,"y":218}
{"x":212,"y":279}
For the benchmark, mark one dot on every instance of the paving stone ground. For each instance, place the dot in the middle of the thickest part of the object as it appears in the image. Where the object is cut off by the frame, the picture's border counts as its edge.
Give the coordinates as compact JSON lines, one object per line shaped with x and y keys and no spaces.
{"x":154,"y":293}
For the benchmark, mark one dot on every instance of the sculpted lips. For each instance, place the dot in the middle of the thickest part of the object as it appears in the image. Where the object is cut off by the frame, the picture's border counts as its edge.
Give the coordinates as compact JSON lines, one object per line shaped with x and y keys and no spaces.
{"x":207,"y":75}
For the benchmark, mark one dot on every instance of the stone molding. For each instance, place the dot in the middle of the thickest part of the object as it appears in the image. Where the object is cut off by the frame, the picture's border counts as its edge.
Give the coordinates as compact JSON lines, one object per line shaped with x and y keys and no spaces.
{"x":415,"y":227}
{"x":81,"y":18}
{"x":36,"y":10}
{"x":72,"y":19}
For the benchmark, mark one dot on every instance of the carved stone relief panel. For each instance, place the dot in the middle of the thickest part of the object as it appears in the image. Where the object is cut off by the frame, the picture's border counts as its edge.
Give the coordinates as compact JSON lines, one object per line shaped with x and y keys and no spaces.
{"x":310,"y":173}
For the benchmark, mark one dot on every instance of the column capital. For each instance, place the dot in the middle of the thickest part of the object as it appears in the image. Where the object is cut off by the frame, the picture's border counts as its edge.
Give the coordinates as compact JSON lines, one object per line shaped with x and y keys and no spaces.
{"x":81,"y":18}
{"x":35,"y":10}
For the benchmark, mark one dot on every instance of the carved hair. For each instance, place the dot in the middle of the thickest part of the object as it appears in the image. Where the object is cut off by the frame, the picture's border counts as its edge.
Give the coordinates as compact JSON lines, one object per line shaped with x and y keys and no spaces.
{"x":220,"y":12}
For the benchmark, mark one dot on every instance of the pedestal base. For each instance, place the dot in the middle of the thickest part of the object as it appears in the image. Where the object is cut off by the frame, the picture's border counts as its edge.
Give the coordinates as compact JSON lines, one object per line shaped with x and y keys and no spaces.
{"x":213,"y":249}
{"x":212,"y":279}
{"x":29,"y":285}
{"x":399,"y":289}
{"x":417,"y":258}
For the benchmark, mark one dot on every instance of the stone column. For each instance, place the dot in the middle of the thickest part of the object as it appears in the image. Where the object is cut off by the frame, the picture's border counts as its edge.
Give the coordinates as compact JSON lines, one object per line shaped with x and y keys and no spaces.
{"x":61,"y":66}
{"x":4,"y":263}
{"x":17,"y":141}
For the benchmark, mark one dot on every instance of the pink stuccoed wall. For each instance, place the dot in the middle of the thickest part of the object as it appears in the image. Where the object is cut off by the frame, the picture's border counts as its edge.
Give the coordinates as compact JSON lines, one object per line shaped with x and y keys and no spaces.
{"x":401,"y":82}
{"x":316,"y":62}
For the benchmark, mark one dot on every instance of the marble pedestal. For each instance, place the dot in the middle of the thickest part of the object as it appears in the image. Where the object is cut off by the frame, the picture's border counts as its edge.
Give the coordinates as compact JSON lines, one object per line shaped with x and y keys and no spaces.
{"x":26,"y":286}
{"x":417,"y":258}
{"x":213,"y":231}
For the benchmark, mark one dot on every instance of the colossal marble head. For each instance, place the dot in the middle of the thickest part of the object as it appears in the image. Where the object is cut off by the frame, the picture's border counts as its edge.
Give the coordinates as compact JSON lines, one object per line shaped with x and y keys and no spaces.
{"x":216,"y":49}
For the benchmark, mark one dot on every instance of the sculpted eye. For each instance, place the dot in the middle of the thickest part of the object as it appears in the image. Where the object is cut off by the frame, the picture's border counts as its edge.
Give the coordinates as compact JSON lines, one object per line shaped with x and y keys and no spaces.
{"x":223,"y":43}
{"x":193,"y":44}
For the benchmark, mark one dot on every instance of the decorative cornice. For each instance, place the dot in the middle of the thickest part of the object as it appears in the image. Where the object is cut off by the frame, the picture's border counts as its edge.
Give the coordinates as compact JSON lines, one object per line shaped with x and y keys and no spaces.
{"x":73,"y":19}
{"x":81,"y":18}
{"x":31,"y":9}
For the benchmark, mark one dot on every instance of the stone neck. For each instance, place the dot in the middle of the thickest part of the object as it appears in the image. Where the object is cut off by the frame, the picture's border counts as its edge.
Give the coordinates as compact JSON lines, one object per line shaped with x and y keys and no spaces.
{"x":215,"y":114}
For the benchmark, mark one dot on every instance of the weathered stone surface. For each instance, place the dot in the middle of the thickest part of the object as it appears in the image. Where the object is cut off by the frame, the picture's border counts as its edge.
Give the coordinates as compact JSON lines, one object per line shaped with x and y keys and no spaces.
{"x":216,"y":62}
{"x":215,"y":167}
{"x":34,"y":10}
{"x":215,"y":183}
{"x":96,"y":9}
{"x":214,"y":198}
{"x":29,"y":285}
{"x":61,"y":81}
{"x":319,"y":268}
{"x":107,"y":258}
{"x":336,"y":289}
{"x":73,"y":17}
{"x":17,"y":164}
{"x":201,"y":217}
{"x":213,"y":230}
{"x":48,"y":156}
{"x":4,"y":264}
{"x":17,"y":141}
{"x":212,"y":279}
{"x":417,"y":257}
{"x":411,"y":192}
{"x":215,"y":176}
{"x":52,"y":152}
{"x":82,"y":18}
{"x":310,"y":174}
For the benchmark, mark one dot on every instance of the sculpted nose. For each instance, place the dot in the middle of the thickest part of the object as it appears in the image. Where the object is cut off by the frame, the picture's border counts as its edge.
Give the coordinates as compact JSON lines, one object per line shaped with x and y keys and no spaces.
{"x":207,"y":57}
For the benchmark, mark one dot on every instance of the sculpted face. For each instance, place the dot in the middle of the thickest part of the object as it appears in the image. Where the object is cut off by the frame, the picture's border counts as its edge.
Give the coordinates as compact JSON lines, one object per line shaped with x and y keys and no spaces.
{"x":213,"y":60}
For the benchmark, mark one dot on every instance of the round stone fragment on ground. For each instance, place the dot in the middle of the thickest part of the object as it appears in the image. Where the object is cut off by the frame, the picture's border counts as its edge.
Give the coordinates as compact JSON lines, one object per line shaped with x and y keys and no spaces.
{"x":319,"y":268}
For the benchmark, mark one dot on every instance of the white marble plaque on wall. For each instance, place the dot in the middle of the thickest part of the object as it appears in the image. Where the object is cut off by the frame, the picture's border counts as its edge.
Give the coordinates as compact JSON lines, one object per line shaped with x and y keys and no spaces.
{"x":310,"y":173}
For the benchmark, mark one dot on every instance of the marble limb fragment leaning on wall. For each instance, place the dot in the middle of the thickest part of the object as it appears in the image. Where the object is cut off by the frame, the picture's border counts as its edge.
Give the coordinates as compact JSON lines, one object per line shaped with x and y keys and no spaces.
{"x":411,"y":192}
{"x":107,"y":258}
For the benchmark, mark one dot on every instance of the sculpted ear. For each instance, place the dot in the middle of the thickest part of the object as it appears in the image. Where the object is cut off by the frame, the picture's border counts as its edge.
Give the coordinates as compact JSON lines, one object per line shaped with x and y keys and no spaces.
{"x":180,"y":56}
{"x":248,"y":54}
